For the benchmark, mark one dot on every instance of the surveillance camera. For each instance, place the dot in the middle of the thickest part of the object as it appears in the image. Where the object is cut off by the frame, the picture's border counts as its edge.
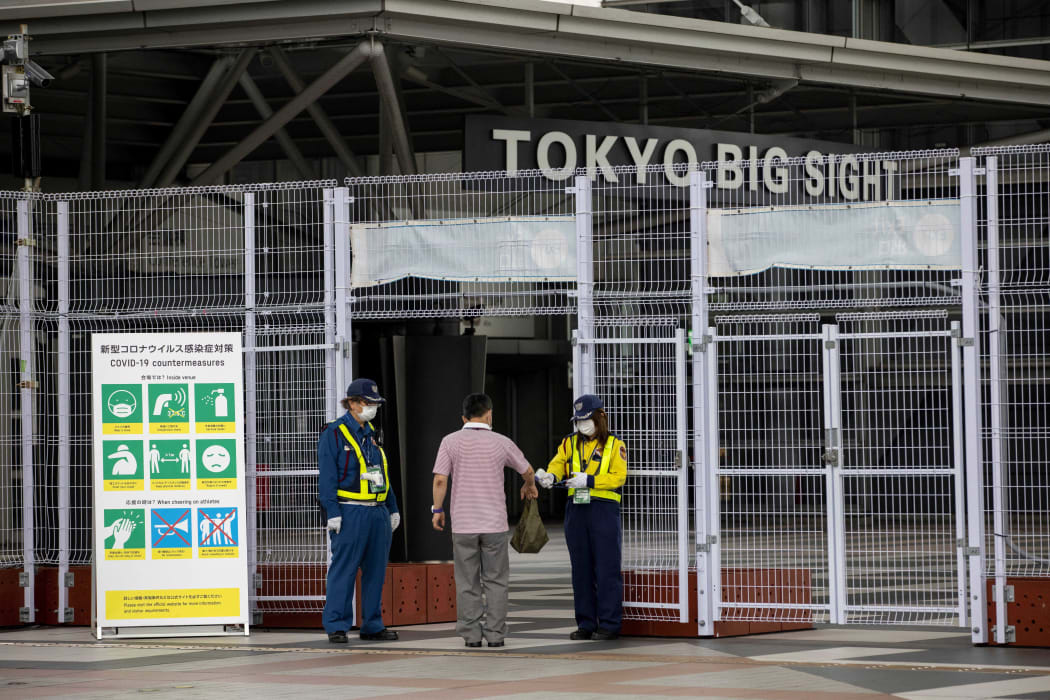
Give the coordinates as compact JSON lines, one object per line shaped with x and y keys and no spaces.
{"x":37,"y":75}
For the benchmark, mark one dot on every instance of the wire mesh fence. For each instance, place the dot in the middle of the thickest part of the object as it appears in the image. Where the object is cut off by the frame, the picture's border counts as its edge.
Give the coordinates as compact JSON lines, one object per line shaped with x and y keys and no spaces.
{"x":640,"y":374}
{"x":901,"y":471}
{"x":507,"y":255}
{"x":1013,"y":222}
{"x":772,"y":529}
{"x":855,"y":199}
{"x":645,"y":263}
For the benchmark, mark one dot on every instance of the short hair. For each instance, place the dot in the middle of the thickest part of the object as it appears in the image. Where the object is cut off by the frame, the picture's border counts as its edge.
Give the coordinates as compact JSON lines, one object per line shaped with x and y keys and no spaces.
{"x":476,"y":405}
{"x":345,"y":402}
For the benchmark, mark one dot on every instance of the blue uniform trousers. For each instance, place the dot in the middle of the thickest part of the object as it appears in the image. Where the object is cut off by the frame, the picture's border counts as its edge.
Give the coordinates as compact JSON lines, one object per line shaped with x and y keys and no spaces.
{"x":594,"y":540}
{"x":362,"y":542}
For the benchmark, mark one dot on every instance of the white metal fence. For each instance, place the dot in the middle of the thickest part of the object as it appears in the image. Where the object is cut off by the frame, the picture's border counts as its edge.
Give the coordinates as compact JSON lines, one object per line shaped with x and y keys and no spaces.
{"x":827,"y":433}
{"x":1013,"y":223}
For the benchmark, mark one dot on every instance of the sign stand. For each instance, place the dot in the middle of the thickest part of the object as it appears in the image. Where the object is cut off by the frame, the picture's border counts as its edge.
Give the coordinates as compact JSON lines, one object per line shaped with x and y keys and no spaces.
{"x":169,"y":485}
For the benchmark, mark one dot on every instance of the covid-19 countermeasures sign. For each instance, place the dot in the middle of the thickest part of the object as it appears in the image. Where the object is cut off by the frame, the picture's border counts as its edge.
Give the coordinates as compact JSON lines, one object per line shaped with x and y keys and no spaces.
{"x":169,"y":480}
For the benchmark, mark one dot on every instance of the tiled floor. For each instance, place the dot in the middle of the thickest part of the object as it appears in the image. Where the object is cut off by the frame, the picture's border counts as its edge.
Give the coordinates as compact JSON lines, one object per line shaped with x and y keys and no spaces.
{"x":539,"y":661}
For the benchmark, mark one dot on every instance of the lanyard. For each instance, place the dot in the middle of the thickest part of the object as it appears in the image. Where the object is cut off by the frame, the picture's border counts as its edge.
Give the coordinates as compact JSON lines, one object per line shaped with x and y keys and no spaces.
{"x":578,"y":450}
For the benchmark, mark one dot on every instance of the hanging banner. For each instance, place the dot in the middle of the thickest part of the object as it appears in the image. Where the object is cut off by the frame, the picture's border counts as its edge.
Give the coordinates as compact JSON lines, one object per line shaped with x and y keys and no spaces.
{"x":877,"y":235}
{"x":493,"y":249}
{"x":169,"y":491}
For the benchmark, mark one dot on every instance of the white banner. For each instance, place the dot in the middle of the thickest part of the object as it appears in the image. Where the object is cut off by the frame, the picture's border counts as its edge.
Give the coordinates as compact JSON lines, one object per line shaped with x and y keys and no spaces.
{"x":169,"y":491}
{"x":497,"y":249}
{"x":898,"y":235}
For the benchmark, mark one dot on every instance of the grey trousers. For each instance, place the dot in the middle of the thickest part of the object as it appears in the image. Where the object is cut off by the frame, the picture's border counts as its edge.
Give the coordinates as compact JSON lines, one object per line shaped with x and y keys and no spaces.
{"x":482,"y":566}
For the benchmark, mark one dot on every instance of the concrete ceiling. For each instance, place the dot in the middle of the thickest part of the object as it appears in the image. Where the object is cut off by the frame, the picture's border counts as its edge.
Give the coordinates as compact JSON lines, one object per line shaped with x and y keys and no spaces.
{"x":462,"y":57}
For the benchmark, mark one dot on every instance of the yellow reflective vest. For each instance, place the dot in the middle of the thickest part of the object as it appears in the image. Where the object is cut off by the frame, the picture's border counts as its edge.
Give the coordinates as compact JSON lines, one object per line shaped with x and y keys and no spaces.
{"x":363,"y":493}
{"x":609,"y":472}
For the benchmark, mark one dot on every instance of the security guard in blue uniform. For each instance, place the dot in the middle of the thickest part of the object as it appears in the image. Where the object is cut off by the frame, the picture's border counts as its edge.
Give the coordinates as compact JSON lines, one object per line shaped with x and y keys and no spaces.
{"x":354,"y":488}
{"x":598,"y":462}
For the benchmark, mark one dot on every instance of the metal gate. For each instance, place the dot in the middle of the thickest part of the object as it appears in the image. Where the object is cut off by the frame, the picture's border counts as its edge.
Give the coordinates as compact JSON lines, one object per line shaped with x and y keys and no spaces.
{"x":639,"y":371}
{"x":296,"y":363}
{"x":839,"y":464}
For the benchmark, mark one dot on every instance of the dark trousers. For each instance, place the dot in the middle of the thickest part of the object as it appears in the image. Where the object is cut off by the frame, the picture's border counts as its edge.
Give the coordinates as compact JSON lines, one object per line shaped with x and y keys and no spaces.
{"x":594,"y":539}
{"x":363,"y":543}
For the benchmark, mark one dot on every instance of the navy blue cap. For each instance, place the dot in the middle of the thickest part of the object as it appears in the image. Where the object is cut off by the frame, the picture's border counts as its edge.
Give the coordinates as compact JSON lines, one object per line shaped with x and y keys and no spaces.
{"x":584,"y":406}
{"x":366,"y":389}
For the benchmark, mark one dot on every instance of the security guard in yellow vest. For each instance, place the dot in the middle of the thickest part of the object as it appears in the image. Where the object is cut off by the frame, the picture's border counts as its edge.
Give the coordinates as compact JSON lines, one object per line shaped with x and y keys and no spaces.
{"x":354,"y":488}
{"x":598,"y":462}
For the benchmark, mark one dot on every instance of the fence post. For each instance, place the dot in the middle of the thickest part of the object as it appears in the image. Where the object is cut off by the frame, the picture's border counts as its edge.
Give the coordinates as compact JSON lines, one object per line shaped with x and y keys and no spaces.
{"x":682,"y":485}
{"x":991,"y":183}
{"x":836,"y":503}
{"x":331,"y":391}
{"x":584,"y":282}
{"x":65,"y":613}
{"x":712,"y":496}
{"x":702,"y":469}
{"x":250,"y":433}
{"x":959,"y":471}
{"x":25,"y":351}
{"x":344,"y":361}
{"x":972,"y":411}
{"x":343,"y":322}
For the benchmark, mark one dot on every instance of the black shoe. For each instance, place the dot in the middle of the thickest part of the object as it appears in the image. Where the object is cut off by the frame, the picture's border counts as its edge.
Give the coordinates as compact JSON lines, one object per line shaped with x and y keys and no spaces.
{"x":383,"y":635}
{"x":337,"y":638}
{"x":495,"y":644}
{"x":604,"y":635}
{"x":581,"y":634}
{"x":473,"y":645}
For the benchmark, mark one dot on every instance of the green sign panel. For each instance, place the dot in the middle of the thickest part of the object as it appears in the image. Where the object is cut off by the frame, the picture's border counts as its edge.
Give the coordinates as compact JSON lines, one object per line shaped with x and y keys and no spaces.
{"x":122,"y":459}
{"x":125,"y":528}
{"x":214,"y":403}
{"x":216,"y":459}
{"x":170,"y":459}
{"x":121,"y":403}
{"x":169,"y":403}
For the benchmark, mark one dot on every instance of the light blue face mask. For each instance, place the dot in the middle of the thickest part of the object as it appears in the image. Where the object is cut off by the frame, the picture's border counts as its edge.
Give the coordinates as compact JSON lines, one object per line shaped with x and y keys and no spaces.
{"x":585,"y":427}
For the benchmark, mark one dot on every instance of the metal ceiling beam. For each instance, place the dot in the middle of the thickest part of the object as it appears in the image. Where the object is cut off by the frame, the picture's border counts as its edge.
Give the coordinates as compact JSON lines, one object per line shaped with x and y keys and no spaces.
{"x":406,"y":158}
{"x":888,"y":114}
{"x":264,"y":131}
{"x":578,"y":88}
{"x":84,"y":172}
{"x":570,"y":31}
{"x":190,"y":117}
{"x":285,"y":141}
{"x":98,"y":121}
{"x":417,"y":76}
{"x":470,"y":81}
{"x":317,"y":112}
{"x":196,"y":129}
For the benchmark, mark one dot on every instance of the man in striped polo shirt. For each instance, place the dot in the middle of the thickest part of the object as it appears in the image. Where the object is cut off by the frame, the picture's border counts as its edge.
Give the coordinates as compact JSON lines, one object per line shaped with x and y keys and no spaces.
{"x":476,"y":456}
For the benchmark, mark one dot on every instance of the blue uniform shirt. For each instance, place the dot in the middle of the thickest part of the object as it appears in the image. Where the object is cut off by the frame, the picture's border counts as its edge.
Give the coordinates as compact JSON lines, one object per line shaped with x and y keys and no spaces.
{"x":331,"y":460}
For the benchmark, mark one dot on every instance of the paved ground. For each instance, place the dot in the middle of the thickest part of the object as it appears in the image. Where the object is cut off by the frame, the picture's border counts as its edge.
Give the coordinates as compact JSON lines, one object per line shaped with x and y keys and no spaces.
{"x":539,"y":661}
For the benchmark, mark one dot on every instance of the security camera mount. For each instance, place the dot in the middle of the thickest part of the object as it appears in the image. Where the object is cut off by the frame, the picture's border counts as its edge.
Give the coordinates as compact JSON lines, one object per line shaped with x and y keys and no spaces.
{"x":15,"y":81}
{"x":17,"y":73}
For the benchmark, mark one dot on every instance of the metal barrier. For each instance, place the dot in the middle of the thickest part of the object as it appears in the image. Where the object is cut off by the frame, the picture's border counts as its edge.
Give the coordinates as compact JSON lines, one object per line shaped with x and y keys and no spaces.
{"x":834,"y":437}
{"x":1013,"y":221}
{"x":835,"y":410}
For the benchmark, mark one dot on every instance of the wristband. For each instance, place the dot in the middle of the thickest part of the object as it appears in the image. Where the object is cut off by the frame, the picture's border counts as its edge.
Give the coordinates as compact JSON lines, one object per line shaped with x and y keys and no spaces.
{"x":436,"y":510}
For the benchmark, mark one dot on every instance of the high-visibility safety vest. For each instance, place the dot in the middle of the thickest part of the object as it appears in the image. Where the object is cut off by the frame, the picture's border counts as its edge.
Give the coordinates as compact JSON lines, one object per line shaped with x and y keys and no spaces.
{"x":362,"y":494}
{"x":594,"y":470}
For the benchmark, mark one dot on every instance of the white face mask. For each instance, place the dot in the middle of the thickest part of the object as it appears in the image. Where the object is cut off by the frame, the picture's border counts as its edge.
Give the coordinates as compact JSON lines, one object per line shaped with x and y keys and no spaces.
{"x":585,"y":427}
{"x":368,"y":413}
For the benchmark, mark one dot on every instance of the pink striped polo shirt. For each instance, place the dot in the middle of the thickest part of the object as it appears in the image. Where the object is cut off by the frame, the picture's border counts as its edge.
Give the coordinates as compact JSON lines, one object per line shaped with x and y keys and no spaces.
{"x":475,"y":457}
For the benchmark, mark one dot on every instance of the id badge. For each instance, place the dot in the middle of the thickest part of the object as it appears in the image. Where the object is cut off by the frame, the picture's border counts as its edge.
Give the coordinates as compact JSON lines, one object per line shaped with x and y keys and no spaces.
{"x":375,"y":488}
{"x":581,"y":496}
